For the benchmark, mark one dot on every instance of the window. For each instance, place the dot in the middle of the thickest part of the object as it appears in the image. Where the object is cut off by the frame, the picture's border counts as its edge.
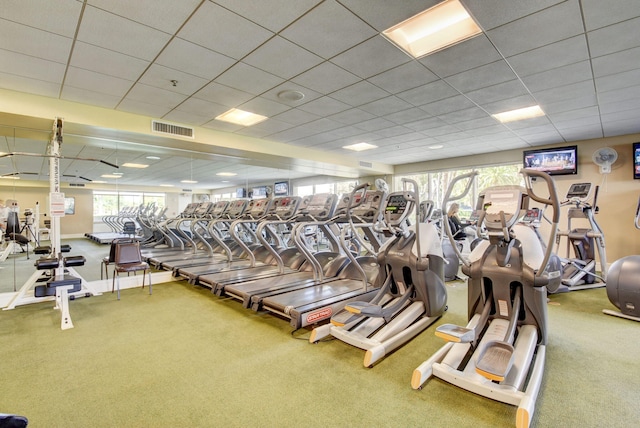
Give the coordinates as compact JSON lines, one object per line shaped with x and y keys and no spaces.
{"x":111,"y":203}
{"x":433,"y":185}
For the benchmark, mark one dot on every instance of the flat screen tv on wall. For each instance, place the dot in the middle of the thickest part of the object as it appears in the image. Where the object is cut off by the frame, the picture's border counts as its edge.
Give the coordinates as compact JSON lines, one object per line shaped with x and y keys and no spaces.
{"x":556,"y":161}
{"x":281,"y":188}
{"x":636,"y":160}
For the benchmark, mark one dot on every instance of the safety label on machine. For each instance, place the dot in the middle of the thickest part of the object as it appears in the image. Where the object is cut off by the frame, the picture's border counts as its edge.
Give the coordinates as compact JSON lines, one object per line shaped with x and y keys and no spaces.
{"x":503,"y":308}
{"x":56,"y":204}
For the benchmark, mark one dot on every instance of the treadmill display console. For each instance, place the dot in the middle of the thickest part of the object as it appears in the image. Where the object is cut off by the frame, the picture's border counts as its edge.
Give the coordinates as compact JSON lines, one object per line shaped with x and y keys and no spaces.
{"x":579,"y":190}
{"x":396,"y":206}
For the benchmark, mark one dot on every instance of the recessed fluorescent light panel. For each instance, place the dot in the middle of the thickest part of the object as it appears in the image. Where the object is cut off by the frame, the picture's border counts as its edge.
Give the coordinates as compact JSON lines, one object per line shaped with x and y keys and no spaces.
{"x":134,"y":165}
{"x":519,"y":114}
{"x":188,"y":181}
{"x":166,"y":185}
{"x":111,"y":175}
{"x":359,"y":147}
{"x":226,"y":174}
{"x":439,"y":27}
{"x":153,"y":157}
{"x":241,"y":117}
{"x":10,"y":177}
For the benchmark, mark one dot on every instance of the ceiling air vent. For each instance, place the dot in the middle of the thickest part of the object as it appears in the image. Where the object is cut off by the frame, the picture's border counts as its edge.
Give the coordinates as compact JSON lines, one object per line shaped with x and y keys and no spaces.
{"x":366,"y":164}
{"x":170,"y":129}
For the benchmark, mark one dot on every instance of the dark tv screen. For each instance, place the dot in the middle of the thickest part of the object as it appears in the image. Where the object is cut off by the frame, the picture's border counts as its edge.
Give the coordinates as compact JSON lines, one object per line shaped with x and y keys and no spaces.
{"x":281,"y":188}
{"x":556,"y":161}
{"x":636,"y":160}
{"x":241,"y":193}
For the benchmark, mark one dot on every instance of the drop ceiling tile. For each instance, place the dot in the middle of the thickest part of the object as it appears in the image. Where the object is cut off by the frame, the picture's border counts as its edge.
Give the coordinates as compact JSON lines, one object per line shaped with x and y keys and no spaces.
{"x":326,"y":78}
{"x":161,"y":77}
{"x":407,"y":116}
{"x":34,"y":42}
{"x":587,"y":113}
{"x":139,"y":107}
{"x":274,"y":14}
{"x":263,"y":129}
{"x":501,"y":91}
{"x":549,"y":57}
{"x":464,"y":115}
{"x":163,"y":15}
{"x":187,"y":118}
{"x":406,"y":76}
{"x":582,"y":133}
{"x":375,"y":124}
{"x":281,"y":57}
{"x":550,"y":25}
{"x":59,"y":17}
{"x":464,"y":56}
{"x":493,"y":13}
{"x":599,"y":13}
{"x":217,"y":28}
{"x":589,"y":121}
{"x":575,"y":90}
{"x":441,"y":130}
{"x":426,"y":124}
{"x":324,"y":106}
{"x":15,"y":82}
{"x":249,"y":79}
{"x":97,"y":82}
{"x":296,"y":117}
{"x":428,"y":93}
{"x":190,"y":58}
{"x":570,"y":104}
{"x":351,"y":116}
{"x":221,"y":94}
{"x":222,"y":126}
{"x":531,"y":126}
{"x":328,"y":30}
{"x":386,"y":56}
{"x":149,"y":94}
{"x":621,"y":127}
{"x":293,"y":134}
{"x":205,"y":109}
{"x":264,"y":107}
{"x":118,"y":34}
{"x":382,"y":15}
{"x":107,"y":62}
{"x":360,"y":93}
{"x":448,"y":105}
{"x":480,"y":126}
{"x":559,"y":77}
{"x":386,"y":106}
{"x":342,"y":133}
{"x":614,"y":38}
{"x":509,"y":104}
{"x":31,"y":67}
{"x":483,"y":76}
{"x":616,"y":63}
{"x":618,"y":81}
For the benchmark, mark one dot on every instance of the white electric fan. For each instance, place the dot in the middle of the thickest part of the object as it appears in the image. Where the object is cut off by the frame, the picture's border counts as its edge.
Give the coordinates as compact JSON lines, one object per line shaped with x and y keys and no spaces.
{"x":604,"y":158}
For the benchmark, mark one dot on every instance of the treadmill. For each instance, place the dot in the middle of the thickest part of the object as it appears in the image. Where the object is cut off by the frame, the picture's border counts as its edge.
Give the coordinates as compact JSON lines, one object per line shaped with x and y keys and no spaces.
{"x":358,"y":281}
{"x":171,"y":236}
{"x":319,"y":210}
{"x":276,"y":260}
{"x":283,"y":206}
{"x":194,"y":240}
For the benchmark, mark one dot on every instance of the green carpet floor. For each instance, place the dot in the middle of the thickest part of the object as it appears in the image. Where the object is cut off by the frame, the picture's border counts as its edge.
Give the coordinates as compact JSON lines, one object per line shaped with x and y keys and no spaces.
{"x":184,"y":357}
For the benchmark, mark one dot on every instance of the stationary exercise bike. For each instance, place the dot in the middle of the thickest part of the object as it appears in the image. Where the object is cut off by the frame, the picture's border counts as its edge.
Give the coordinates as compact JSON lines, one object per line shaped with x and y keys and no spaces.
{"x":623,"y":283}
{"x":500,"y":353}
{"x":582,"y":243}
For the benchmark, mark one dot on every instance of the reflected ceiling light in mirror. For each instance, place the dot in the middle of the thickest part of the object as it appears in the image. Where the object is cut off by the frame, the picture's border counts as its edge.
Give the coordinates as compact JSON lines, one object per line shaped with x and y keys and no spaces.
{"x":153,"y":157}
{"x":436,"y":146}
{"x":226,"y":174}
{"x":111,"y":175}
{"x":188,"y":181}
{"x":166,"y":185}
{"x":436,"y":28}
{"x":241,"y":117}
{"x":134,"y":165}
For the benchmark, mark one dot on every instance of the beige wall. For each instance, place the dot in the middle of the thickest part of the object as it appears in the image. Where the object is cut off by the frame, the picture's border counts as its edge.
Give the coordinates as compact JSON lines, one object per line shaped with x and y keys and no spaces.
{"x":617,"y":200}
{"x":27,"y":197}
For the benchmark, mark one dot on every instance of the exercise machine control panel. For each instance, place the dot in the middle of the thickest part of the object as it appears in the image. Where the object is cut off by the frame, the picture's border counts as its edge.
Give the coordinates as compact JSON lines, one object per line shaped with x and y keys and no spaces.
{"x":579,"y":191}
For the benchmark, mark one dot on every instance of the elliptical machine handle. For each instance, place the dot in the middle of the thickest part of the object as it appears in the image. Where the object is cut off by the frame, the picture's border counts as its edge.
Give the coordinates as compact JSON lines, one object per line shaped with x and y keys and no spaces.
{"x":470,"y":176}
{"x":552,"y":200}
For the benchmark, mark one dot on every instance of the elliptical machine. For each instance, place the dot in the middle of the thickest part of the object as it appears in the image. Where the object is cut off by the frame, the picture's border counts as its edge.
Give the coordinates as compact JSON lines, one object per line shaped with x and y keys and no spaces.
{"x":579,"y":268}
{"x":623,"y":283}
{"x":413,"y":295}
{"x":500,"y":353}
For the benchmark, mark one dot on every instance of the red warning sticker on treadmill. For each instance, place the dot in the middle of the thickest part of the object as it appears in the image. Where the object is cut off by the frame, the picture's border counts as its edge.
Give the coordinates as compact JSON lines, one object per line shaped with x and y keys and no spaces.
{"x":319,"y":315}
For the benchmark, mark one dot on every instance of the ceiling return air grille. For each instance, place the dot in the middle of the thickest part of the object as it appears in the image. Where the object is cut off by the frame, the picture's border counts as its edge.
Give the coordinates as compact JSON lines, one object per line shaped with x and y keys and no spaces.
{"x":366,"y":164}
{"x":170,"y":129}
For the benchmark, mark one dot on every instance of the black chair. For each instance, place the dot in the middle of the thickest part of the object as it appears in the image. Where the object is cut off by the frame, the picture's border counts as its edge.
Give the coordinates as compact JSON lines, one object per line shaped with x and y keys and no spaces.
{"x":128,"y":259}
{"x":12,"y":421}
